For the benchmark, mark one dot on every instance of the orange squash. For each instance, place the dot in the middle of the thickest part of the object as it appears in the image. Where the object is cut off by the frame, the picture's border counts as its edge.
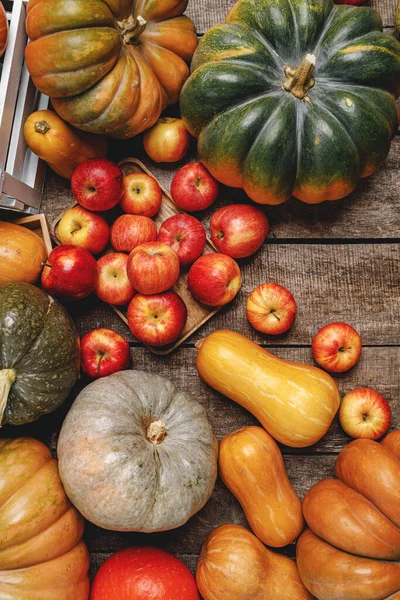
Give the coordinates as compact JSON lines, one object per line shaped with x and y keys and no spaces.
{"x":295,"y":403}
{"x":59,"y":144}
{"x":234,"y":565}
{"x":42,"y":556}
{"x":22,"y":254}
{"x":3,"y":30}
{"x":252,"y":467}
{"x":352,"y":550}
{"x":392,"y":442}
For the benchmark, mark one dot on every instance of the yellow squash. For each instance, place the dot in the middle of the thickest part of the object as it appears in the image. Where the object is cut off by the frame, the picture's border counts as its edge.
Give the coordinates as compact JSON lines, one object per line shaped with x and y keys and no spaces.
{"x":22,"y":254}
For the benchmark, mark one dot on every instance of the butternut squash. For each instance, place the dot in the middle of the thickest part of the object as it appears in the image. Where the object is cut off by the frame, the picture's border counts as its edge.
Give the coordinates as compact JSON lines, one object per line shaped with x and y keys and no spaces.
{"x":22,"y":253}
{"x":59,"y":144}
{"x":392,"y":442}
{"x":252,"y":467}
{"x":234,"y":565}
{"x":295,"y":403}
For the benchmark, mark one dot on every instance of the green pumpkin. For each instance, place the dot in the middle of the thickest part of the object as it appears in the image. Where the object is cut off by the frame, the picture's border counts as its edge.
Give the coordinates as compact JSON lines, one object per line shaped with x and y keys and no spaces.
{"x":294,"y":97}
{"x":39,"y":354}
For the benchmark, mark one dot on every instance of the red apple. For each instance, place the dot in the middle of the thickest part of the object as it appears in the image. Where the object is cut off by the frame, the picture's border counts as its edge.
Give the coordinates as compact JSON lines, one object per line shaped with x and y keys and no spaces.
{"x":364,"y":413}
{"x":271,"y":309}
{"x":153,"y":268}
{"x":70,"y":273}
{"x":157,"y":320}
{"x":214,"y":279}
{"x":142,"y":195}
{"x":337,"y":347}
{"x":238,"y":230}
{"x":186,"y":235}
{"x":97,"y":184}
{"x":193,"y":188}
{"x":83,"y":228}
{"x":103,"y":352}
{"x":129,"y":231}
{"x":167,"y":141}
{"x":114,"y":286}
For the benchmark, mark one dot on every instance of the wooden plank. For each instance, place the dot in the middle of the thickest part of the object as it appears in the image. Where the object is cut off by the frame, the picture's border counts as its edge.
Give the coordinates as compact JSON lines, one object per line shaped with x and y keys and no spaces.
{"x":378,"y":368}
{"x":206,"y":13}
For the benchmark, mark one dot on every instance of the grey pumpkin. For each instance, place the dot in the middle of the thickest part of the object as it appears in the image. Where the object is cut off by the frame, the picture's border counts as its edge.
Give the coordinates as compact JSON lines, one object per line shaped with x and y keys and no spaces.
{"x":39,"y":353}
{"x":136,"y":454}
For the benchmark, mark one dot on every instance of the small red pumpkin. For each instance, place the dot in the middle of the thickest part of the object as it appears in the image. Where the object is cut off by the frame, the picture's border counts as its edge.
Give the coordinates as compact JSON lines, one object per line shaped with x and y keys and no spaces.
{"x":143,"y":574}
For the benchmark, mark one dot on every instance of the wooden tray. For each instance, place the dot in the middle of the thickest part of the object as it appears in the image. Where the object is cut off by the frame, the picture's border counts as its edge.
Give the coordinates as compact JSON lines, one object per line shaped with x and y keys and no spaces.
{"x":37,"y":224}
{"x":198,"y":314}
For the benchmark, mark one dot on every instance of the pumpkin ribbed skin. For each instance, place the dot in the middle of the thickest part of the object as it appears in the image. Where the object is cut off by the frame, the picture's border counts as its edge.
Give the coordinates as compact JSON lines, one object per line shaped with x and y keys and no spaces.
{"x":352,"y":549}
{"x":258,"y":136}
{"x":39,"y":360}
{"x":136,"y":454}
{"x":105,"y":72}
{"x":3,"y":30}
{"x":42,"y":556}
{"x":295,"y":403}
{"x":22,"y":253}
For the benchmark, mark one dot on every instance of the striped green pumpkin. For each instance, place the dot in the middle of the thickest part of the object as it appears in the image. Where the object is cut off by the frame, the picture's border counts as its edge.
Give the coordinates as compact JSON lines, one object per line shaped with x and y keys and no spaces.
{"x":271,"y":123}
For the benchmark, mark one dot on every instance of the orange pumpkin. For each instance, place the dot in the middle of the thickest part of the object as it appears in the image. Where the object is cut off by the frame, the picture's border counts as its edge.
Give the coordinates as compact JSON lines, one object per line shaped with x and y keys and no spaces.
{"x":392,"y":442}
{"x":252,"y":467}
{"x":3,"y":30}
{"x":22,"y":254}
{"x":234,"y":565}
{"x":42,"y":556}
{"x":59,"y":144}
{"x":352,"y":549}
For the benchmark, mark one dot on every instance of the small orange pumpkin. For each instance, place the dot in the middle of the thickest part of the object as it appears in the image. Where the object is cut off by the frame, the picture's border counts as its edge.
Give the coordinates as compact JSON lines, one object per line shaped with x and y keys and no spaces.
{"x":3,"y":30}
{"x":22,"y":254}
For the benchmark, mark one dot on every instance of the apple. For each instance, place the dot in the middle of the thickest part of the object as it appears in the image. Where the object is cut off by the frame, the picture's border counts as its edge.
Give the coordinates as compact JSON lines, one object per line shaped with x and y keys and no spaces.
{"x":167,"y":141}
{"x":70,"y":273}
{"x":214,"y":279}
{"x":271,"y":308}
{"x":193,"y":188}
{"x":238,"y":230}
{"x":83,"y":228}
{"x":113,"y":285}
{"x":186,"y":235}
{"x":142,"y":195}
{"x":364,"y":413}
{"x":97,"y":184}
{"x":103,"y":352}
{"x":157,"y":320}
{"x":337,"y":347}
{"x":129,"y":231}
{"x":153,"y":268}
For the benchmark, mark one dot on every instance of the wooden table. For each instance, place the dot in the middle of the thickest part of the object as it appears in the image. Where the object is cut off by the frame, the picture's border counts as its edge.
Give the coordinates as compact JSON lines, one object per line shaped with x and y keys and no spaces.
{"x":340,"y":260}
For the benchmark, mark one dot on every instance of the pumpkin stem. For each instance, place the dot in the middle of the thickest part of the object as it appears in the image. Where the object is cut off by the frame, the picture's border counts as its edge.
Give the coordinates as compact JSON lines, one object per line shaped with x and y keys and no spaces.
{"x":7,"y":378}
{"x":156,"y":432}
{"x":299,"y":80}
{"x":42,"y":127}
{"x":132,"y":28}
{"x":199,"y":344}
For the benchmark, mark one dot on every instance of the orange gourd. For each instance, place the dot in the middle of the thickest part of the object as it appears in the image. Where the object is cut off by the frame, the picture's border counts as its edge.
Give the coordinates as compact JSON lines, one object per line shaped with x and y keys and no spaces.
{"x":352,"y":549}
{"x":22,"y":253}
{"x":42,"y":556}
{"x":59,"y":144}
{"x":392,"y":442}
{"x":234,"y":565}
{"x":295,"y":403}
{"x":3,"y":30}
{"x":252,"y":467}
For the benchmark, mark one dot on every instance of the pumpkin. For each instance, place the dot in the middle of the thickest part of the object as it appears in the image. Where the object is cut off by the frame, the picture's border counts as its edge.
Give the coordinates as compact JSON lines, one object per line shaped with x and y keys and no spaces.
{"x":42,"y":556}
{"x":352,"y":549}
{"x":295,"y":403}
{"x":392,"y":442}
{"x":294,"y":97}
{"x":136,"y":454}
{"x":59,"y":144}
{"x":234,"y":565}
{"x":251,"y":466}
{"x":39,"y":360}
{"x":3,"y":30}
{"x":22,"y":253}
{"x":110,"y":66}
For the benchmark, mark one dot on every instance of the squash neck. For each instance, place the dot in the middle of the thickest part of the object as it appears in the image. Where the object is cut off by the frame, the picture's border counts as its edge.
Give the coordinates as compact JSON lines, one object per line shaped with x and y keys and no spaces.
{"x":42,"y":127}
{"x":7,"y":378}
{"x":299,"y":80}
{"x":156,"y":432}
{"x":131,"y":29}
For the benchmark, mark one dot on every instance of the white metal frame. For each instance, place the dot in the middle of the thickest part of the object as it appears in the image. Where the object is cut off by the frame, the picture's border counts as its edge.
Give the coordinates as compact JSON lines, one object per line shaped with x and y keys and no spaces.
{"x":21,"y":172}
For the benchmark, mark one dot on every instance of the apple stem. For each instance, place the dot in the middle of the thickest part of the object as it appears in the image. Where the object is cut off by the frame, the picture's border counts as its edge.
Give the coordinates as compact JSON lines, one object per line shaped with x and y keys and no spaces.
{"x":45,"y":264}
{"x":7,"y":378}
